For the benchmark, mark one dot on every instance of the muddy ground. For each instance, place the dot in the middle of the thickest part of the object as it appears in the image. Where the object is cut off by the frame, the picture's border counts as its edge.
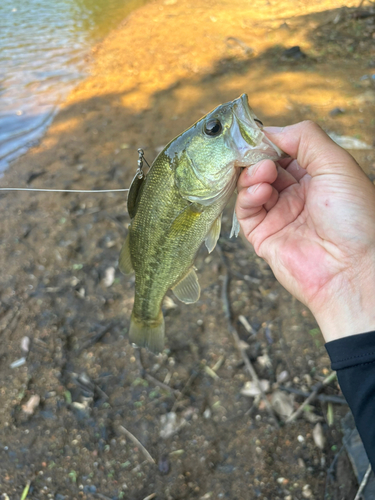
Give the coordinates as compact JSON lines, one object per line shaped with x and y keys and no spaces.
{"x":163,"y":68}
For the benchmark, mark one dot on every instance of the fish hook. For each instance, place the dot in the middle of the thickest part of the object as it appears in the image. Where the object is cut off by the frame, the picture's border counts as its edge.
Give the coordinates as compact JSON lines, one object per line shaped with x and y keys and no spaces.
{"x":140,"y":174}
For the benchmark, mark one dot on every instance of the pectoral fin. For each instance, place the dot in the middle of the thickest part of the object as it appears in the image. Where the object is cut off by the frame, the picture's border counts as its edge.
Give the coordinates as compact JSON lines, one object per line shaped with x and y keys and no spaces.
{"x":125,"y":263}
{"x":188,"y":289}
{"x":235,"y":231}
{"x":213,"y":235}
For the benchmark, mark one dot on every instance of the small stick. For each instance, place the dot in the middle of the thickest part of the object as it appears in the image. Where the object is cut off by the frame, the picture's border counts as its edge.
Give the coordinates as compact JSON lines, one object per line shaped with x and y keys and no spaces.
{"x":101,"y":496}
{"x":363,"y":483}
{"x":246,"y":360}
{"x":331,"y":472}
{"x":320,"y":397}
{"x":184,"y":390}
{"x":160,"y":384}
{"x":25,"y":490}
{"x":97,"y":337}
{"x":152,"y":379}
{"x":13,"y":320}
{"x":312,"y":396}
{"x":150,"y":497}
{"x":137,"y":443}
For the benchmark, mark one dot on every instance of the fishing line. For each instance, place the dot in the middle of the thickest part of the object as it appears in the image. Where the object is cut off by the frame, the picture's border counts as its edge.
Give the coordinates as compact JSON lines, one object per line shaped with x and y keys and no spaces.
{"x":140,"y":173}
{"x":66,"y":190}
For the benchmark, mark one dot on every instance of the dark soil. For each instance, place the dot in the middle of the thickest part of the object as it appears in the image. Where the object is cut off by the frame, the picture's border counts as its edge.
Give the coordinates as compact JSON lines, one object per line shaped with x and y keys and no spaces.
{"x":164,"y":67}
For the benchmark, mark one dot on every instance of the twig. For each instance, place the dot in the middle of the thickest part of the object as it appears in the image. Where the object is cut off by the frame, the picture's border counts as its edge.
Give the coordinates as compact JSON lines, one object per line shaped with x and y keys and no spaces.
{"x":284,"y":347}
{"x":97,"y":337}
{"x":152,"y":379}
{"x":150,"y":497}
{"x":101,"y":496}
{"x":331,"y":472}
{"x":137,"y":443}
{"x":11,"y":324}
{"x":26,"y":490}
{"x":160,"y":384}
{"x":363,"y":483}
{"x":211,"y":372}
{"x":312,"y":396}
{"x":320,"y":397}
{"x":246,"y":360}
{"x":192,"y":377}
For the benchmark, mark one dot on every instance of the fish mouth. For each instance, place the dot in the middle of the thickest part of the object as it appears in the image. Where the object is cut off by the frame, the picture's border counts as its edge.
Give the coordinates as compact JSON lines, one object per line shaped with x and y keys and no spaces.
{"x":248,"y":137}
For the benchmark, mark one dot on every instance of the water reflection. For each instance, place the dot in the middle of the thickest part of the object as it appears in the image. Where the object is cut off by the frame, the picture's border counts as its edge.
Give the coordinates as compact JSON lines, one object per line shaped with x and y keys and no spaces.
{"x":42,"y":56}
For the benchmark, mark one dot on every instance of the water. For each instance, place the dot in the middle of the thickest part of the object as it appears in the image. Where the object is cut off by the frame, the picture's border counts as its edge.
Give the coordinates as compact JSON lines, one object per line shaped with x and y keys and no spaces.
{"x":43,"y":45}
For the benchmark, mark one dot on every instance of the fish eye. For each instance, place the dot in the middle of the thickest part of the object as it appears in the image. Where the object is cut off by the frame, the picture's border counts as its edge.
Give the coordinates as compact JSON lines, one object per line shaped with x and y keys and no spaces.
{"x":258,"y":121}
{"x":213,"y":127}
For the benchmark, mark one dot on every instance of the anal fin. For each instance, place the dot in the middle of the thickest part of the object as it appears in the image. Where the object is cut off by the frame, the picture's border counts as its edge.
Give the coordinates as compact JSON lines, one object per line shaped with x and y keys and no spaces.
{"x":188,"y":289}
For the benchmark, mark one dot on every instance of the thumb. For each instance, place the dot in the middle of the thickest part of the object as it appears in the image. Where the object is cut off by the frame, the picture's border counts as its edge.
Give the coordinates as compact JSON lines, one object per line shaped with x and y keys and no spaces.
{"x":313,"y":149}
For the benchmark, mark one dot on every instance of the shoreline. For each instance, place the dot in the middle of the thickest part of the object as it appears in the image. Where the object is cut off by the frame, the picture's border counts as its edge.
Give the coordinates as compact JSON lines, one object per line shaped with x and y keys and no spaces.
{"x":155,"y":72}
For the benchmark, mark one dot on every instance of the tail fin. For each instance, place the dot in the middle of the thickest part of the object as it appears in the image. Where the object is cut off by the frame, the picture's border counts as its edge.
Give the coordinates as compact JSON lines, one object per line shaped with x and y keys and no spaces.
{"x":148,"y":334}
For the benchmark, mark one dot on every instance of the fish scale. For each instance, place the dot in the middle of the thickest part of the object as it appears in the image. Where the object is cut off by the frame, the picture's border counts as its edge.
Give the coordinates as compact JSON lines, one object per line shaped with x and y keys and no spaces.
{"x":168,"y":249}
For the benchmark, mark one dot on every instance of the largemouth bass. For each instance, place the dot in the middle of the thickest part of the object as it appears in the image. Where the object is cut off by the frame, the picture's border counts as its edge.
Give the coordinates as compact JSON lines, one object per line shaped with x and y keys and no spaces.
{"x":178,"y":205}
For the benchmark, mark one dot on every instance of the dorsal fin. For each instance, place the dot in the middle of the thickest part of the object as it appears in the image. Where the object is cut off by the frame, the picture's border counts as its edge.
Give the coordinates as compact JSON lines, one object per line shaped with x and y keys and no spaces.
{"x":134,"y":194}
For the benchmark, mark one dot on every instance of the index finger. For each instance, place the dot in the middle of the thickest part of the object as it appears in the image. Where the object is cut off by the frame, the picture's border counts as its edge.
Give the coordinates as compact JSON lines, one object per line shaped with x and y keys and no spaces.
{"x":313,"y":149}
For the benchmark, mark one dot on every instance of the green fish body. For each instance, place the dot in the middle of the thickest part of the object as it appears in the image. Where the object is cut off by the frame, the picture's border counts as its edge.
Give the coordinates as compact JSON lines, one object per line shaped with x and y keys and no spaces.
{"x":178,"y":206}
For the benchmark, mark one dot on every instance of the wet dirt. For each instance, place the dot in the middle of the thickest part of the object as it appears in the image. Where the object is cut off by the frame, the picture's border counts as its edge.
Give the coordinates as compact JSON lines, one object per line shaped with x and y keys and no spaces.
{"x":165,"y":66}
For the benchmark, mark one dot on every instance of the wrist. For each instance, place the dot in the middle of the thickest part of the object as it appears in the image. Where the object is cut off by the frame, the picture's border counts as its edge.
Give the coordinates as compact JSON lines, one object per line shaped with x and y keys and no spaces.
{"x":347,"y":314}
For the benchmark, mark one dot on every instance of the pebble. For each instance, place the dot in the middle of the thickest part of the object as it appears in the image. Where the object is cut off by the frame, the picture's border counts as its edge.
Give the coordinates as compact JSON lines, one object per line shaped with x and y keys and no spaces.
{"x":318,"y":436}
{"x":29,"y":407}
{"x":19,"y":362}
{"x":251,"y":389}
{"x":306,"y":491}
{"x":89,"y":489}
{"x":301,"y":439}
{"x":109,"y":277}
{"x":336,"y":111}
{"x":25,"y":344}
{"x":294,"y":53}
{"x":282,"y":377}
{"x":207,"y":413}
{"x":164,"y":465}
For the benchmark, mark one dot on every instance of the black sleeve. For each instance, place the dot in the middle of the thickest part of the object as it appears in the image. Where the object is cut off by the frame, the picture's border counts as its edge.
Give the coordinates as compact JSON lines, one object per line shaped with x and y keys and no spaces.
{"x":354,"y":360}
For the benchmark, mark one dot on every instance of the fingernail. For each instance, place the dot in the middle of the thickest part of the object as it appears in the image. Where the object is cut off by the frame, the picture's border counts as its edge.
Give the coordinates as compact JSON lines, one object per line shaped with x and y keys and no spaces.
{"x":273,"y":130}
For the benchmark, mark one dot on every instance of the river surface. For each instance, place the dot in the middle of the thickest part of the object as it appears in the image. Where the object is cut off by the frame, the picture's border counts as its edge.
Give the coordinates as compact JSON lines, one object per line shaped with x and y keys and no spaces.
{"x":43,"y":48}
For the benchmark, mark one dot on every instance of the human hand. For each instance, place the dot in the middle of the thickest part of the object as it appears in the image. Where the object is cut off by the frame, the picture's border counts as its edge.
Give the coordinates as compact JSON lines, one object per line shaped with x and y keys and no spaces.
{"x":312,"y":218}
